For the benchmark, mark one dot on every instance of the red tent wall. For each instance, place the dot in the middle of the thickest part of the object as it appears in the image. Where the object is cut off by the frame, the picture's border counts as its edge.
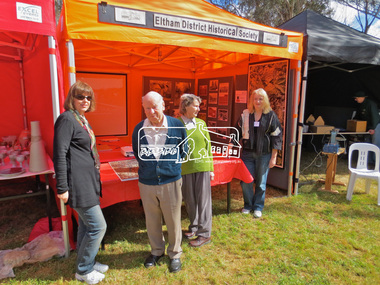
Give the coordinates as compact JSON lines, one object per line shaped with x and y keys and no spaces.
{"x":35,"y":69}
{"x":38,"y":91}
{"x":11,"y":122}
{"x":24,"y":61}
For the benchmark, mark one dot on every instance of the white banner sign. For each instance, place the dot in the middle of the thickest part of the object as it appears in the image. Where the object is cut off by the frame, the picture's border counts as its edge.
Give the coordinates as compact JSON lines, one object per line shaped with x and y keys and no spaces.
{"x":204,"y":27}
{"x":164,"y":22}
{"x":28,"y":12}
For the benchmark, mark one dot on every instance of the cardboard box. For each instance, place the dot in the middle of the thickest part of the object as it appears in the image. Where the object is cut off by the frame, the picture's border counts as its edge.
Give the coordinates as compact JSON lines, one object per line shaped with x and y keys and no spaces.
{"x":322,"y":129}
{"x":318,"y":125}
{"x":127,"y":151}
{"x":312,"y":121}
{"x":356,"y":126}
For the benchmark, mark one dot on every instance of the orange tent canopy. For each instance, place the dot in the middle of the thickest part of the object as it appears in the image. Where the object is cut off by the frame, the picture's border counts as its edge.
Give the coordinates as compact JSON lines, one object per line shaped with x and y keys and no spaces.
{"x":82,"y":21}
{"x":189,"y":39}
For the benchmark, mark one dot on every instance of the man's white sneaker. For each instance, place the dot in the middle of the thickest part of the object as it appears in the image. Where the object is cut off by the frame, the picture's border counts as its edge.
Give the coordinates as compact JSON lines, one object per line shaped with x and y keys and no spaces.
{"x":245,"y":211}
{"x":93,"y":277}
{"x":102,"y":268}
{"x":257,"y":214}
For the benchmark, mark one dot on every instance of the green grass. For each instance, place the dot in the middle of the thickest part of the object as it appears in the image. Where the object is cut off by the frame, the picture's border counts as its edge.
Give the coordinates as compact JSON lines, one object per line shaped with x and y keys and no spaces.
{"x":312,"y":238}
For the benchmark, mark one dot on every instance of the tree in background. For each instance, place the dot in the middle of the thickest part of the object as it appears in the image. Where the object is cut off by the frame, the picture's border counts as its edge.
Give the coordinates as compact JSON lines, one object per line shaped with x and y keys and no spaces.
{"x":273,"y":12}
{"x":368,"y":12}
{"x":58,"y":8}
{"x":231,"y":6}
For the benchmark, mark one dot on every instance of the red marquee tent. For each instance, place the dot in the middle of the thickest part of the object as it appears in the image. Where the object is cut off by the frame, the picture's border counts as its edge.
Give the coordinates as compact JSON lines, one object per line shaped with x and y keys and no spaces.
{"x":28,"y":67}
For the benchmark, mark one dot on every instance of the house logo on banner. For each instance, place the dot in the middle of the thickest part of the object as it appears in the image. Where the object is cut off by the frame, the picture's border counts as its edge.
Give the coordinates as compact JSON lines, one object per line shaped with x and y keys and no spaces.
{"x":28,"y":12}
{"x":218,"y":149}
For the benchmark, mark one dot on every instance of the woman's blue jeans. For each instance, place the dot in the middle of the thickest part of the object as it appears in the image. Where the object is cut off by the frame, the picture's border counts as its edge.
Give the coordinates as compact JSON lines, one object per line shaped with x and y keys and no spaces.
{"x":258,"y":166}
{"x":91,"y":229}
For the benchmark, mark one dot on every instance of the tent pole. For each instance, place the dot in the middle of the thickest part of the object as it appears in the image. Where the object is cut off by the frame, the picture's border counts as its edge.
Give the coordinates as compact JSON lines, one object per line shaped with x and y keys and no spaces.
{"x":22,"y":87}
{"x":65,"y":227}
{"x":300,"y":125}
{"x":53,"y":77}
{"x":294,"y":126}
{"x":71,"y":58}
{"x":55,"y":103}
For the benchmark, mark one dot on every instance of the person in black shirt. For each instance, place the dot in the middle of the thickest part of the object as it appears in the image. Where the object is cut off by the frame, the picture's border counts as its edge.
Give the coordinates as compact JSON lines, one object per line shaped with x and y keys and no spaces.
{"x":368,"y":111}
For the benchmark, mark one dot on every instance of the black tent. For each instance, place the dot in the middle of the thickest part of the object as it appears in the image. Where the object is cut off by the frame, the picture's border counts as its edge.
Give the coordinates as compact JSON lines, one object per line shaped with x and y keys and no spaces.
{"x":338,"y":61}
{"x":330,"y":41}
{"x":341,"y":61}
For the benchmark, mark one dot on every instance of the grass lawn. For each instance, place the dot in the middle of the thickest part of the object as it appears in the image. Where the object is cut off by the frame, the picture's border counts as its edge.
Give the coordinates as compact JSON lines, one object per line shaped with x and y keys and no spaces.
{"x":312,"y":238}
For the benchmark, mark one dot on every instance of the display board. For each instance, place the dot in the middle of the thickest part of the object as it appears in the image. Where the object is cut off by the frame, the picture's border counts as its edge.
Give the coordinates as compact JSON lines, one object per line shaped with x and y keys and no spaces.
{"x":110,"y":115}
{"x":171,"y":89}
{"x":216,"y":94}
{"x":273,"y":78}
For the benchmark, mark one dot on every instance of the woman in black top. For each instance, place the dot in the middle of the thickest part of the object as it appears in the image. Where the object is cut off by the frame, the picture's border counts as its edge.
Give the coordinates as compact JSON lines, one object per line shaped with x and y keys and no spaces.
{"x":261,"y":135}
{"x":76,"y":164}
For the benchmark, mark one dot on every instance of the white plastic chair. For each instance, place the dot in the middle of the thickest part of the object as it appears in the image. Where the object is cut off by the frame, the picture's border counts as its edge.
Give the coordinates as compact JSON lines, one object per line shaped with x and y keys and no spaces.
{"x":361,"y":170}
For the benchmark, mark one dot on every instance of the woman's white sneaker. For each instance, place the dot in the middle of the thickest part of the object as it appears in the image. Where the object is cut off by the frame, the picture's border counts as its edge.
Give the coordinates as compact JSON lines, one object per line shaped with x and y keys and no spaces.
{"x":102,"y":268}
{"x":245,"y":211}
{"x":257,"y":214}
{"x":93,"y":277}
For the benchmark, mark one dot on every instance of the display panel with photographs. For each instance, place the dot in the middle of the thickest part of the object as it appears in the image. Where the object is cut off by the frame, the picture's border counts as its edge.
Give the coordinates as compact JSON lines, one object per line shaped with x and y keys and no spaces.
{"x":273,"y":78}
{"x":171,"y":90}
{"x":217,"y":94}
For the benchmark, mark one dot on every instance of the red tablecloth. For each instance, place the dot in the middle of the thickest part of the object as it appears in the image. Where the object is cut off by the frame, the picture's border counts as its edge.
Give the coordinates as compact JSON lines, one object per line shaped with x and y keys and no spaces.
{"x":225,"y":169}
{"x":116,"y":191}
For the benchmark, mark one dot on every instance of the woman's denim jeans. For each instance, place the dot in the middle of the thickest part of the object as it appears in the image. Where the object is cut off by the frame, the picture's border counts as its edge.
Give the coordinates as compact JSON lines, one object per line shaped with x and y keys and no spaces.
{"x":258,"y":166}
{"x":91,"y":229}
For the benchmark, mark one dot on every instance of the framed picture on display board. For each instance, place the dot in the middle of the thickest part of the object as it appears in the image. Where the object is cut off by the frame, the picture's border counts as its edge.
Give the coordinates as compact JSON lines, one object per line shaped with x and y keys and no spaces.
{"x":223,"y":93}
{"x":214,"y":84}
{"x":212,"y":112}
{"x":171,"y":90}
{"x":273,"y":78}
{"x":202,"y":91}
{"x":223,"y":115}
{"x":213,"y":98}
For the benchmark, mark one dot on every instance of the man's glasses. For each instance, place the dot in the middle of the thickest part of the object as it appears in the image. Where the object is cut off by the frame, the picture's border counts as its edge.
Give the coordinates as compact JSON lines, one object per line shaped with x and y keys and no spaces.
{"x":82,"y":97}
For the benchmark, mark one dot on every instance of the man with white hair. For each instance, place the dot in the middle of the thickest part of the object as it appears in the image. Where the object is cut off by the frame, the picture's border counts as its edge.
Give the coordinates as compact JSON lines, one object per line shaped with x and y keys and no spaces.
{"x":158,"y":143}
